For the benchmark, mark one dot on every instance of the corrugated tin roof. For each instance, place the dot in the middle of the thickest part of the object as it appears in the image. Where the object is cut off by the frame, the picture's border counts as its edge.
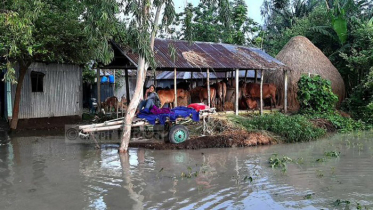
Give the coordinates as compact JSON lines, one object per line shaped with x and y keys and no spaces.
{"x":169,"y":75}
{"x":202,"y":55}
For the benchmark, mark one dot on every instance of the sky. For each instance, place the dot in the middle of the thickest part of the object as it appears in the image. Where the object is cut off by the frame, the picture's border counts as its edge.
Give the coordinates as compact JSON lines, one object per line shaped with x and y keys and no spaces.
{"x":253,"y":7}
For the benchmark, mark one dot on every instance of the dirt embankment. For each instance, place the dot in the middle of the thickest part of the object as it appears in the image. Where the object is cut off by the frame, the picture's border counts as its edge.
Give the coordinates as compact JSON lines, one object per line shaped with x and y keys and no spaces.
{"x":234,"y":139}
{"x":220,"y":133}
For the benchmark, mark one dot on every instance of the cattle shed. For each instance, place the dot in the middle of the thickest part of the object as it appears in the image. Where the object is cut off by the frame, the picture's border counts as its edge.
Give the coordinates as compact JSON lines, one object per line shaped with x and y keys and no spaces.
{"x":202,"y":57}
{"x":49,"y":90}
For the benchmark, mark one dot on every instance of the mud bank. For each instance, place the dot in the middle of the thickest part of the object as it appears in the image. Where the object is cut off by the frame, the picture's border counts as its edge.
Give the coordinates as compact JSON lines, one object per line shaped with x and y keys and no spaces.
{"x":233,"y":139}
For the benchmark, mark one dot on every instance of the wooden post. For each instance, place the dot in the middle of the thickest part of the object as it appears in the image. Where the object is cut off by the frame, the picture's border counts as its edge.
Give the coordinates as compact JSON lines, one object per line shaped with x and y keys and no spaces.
{"x":127,"y":87}
{"x":245,"y":75}
{"x":175,"y":88}
{"x":232,"y":78}
{"x":237,"y":96}
{"x":154,"y":79}
{"x":98,"y":90}
{"x":256,"y":76}
{"x":261,"y":92}
{"x":285,"y":91}
{"x":191,"y":80}
{"x":114,"y":94}
{"x":226,"y":75}
{"x":208,"y":88}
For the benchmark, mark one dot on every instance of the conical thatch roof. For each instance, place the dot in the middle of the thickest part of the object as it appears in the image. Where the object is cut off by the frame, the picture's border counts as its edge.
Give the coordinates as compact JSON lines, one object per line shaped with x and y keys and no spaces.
{"x":302,"y":57}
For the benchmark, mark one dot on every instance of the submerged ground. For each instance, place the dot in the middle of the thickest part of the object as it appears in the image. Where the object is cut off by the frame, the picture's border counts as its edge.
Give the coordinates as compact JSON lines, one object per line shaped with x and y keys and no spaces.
{"x":52,"y":173}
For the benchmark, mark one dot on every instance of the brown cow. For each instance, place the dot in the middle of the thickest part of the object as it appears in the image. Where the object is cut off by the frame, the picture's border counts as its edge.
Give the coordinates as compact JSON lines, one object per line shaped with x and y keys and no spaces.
{"x":248,"y":103}
{"x":221,"y":92}
{"x":110,"y":102}
{"x":252,"y":90}
{"x":203,"y":95}
{"x":168,"y":96}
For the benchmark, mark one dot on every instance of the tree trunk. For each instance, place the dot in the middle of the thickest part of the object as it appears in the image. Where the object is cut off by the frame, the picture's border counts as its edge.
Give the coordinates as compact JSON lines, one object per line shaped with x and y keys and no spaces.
{"x":17,"y":99}
{"x":142,"y":67}
{"x":141,"y":72}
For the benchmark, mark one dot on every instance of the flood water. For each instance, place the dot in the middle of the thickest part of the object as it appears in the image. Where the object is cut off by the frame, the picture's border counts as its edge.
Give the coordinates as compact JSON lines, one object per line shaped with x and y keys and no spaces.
{"x":47,"y":173}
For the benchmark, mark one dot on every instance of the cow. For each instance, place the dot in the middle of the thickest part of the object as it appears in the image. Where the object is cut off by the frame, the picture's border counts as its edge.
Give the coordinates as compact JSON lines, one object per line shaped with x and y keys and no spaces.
{"x":109,"y":103}
{"x":252,"y":90}
{"x":221,"y":92}
{"x":168,"y":96}
{"x":248,"y":103}
{"x":203,"y":94}
{"x":122,"y":104}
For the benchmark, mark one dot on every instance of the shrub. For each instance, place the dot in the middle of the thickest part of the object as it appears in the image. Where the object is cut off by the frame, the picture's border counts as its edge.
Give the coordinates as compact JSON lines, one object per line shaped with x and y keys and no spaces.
{"x":360,"y":102}
{"x":342,"y":124}
{"x":294,"y":128}
{"x":315,"y":95}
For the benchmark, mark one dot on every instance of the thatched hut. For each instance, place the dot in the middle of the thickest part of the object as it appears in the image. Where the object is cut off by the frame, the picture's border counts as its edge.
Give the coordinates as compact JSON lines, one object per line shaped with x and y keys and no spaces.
{"x":302,"y":57}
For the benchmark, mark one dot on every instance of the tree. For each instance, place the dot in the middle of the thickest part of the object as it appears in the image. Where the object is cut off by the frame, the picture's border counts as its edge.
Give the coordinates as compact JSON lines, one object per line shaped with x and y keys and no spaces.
{"x":51,"y":31}
{"x":141,"y":34}
{"x":221,"y":21}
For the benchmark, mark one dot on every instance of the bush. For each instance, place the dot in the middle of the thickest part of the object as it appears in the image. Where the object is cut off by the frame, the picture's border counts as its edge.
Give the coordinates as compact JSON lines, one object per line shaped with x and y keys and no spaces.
{"x":342,"y":124}
{"x":294,"y":128}
{"x":360,"y":102}
{"x":315,"y":95}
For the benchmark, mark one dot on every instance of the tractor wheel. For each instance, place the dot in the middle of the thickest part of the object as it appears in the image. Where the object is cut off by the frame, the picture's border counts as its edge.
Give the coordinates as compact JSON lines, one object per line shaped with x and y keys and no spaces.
{"x":178,"y":134}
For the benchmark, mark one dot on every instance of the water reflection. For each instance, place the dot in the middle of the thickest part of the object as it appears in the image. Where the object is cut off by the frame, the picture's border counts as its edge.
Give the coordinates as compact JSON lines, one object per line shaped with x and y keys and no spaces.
{"x":47,"y":173}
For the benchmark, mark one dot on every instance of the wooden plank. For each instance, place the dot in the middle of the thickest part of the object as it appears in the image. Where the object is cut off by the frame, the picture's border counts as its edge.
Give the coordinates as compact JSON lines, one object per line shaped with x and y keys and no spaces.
{"x":245,"y":75}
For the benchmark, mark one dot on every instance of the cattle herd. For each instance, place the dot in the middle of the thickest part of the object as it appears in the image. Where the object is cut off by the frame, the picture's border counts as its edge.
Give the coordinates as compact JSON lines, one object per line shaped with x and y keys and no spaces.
{"x":249,"y":96}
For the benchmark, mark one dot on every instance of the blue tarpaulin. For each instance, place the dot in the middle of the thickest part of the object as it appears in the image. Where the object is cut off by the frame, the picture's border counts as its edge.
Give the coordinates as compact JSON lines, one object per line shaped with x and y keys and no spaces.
{"x":172,"y":116}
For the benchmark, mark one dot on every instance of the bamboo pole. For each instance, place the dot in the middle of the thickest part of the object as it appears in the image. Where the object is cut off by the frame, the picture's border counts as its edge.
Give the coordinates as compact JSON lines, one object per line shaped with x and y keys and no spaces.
{"x":127,"y":87}
{"x":285,"y":91}
{"x":261,"y":92}
{"x":114,"y":95}
{"x":208,"y":88}
{"x":175,"y":88}
{"x":98,"y":91}
{"x":237,"y":81}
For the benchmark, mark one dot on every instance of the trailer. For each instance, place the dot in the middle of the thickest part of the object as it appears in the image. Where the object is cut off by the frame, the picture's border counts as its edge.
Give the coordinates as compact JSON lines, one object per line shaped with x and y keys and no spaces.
{"x":176,"y":130}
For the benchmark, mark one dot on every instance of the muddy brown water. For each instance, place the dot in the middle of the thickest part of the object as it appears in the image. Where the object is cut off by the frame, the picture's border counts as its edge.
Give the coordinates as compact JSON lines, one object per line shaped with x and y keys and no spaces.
{"x":48,"y":173}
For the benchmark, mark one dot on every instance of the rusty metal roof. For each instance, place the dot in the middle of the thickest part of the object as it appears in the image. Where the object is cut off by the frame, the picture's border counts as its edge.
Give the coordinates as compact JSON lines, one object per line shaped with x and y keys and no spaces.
{"x":167,"y":75}
{"x":203,"y":55}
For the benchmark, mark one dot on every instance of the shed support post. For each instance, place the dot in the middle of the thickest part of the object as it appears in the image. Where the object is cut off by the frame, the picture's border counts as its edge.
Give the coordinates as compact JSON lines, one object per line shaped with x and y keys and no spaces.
{"x":98,"y":90}
{"x":191,"y":80}
{"x":245,"y":75}
{"x":127,"y":87}
{"x":116,"y":108}
{"x":154,"y":79}
{"x":261,"y":92}
{"x":256,"y":76}
{"x":208,"y":88}
{"x":285,"y":91}
{"x":237,"y":96}
{"x":232,"y":78}
{"x":175,"y":88}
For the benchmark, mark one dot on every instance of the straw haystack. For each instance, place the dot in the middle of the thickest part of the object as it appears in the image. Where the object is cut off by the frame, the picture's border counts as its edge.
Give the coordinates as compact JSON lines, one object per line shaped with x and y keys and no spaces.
{"x":302,"y":57}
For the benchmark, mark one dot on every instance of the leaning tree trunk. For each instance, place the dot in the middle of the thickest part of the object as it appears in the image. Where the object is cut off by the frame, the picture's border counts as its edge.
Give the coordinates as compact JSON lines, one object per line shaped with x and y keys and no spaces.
{"x":141,"y":72}
{"x":17,"y":99}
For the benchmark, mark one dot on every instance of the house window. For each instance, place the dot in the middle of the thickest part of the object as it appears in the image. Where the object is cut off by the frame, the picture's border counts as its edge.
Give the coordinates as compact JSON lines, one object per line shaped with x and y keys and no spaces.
{"x":37,"y":81}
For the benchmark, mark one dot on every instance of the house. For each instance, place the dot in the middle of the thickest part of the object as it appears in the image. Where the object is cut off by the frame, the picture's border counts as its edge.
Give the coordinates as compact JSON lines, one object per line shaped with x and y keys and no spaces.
{"x":48,"y":91}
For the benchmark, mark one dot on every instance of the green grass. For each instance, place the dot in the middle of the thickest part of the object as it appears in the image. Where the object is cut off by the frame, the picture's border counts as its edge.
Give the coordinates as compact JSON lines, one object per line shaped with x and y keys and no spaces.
{"x":296,"y":128}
